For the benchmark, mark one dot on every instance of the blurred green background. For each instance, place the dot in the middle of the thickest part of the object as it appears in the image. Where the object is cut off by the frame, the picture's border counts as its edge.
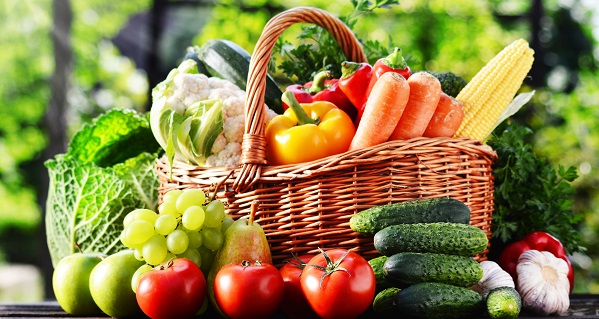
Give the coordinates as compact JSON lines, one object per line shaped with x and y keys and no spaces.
{"x":64,"y":62}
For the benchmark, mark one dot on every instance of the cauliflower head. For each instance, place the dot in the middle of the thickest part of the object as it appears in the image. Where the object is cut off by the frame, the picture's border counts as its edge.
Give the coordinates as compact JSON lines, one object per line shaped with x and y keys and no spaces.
{"x":199,"y":119}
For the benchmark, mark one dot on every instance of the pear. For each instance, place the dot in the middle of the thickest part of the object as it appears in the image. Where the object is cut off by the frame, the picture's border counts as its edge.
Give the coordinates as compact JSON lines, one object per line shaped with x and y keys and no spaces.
{"x":244,"y":240}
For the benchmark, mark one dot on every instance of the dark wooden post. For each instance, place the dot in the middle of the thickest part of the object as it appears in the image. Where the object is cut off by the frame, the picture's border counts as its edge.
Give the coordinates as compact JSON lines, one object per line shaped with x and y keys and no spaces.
{"x":54,"y":121}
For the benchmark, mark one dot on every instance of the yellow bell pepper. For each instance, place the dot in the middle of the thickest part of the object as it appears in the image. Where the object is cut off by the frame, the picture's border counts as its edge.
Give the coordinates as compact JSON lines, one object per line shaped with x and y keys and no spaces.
{"x":307,"y":132}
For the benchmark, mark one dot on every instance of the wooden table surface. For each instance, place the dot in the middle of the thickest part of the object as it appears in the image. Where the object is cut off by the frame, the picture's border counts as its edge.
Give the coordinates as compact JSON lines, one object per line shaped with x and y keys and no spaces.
{"x":581,"y":307}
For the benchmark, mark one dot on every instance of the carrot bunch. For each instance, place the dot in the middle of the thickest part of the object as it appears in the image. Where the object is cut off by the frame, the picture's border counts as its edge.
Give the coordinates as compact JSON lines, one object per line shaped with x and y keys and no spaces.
{"x":400,"y":109}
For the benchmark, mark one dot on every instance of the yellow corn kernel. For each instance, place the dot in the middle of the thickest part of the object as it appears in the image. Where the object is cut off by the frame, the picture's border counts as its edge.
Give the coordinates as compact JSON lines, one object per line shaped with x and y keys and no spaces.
{"x":492,"y":89}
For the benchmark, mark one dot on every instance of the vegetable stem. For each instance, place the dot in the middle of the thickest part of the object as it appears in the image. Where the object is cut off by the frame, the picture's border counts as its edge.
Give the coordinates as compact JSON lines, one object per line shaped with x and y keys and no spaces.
{"x":349,"y":68}
{"x":302,"y":116}
{"x":253,"y":211}
{"x":395,"y":60}
{"x":319,"y":82}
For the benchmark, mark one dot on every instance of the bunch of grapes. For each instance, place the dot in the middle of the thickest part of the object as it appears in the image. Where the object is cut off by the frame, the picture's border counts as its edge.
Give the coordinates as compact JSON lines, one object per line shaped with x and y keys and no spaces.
{"x":186,"y":226}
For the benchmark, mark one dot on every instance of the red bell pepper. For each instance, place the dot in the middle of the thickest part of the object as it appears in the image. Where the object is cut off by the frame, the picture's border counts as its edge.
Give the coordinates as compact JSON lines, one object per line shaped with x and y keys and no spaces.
{"x":301,"y":95}
{"x":354,"y":81}
{"x":323,"y":89}
{"x":394,"y":62}
{"x":541,"y":241}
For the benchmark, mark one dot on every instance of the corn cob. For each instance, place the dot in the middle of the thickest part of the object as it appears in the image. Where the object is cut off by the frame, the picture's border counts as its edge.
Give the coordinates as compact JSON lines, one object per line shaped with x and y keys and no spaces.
{"x":492,"y":89}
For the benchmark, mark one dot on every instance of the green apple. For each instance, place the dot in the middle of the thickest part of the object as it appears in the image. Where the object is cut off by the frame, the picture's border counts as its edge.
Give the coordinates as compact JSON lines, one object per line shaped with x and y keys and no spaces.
{"x":110,"y":284}
{"x":70,"y":282}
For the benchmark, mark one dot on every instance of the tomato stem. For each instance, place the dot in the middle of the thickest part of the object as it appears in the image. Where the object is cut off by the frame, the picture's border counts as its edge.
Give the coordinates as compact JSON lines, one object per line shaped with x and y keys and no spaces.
{"x":331,"y":266}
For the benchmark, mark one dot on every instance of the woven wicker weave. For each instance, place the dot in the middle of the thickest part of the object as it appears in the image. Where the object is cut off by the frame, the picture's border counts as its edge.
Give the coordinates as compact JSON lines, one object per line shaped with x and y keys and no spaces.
{"x":306,"y":206}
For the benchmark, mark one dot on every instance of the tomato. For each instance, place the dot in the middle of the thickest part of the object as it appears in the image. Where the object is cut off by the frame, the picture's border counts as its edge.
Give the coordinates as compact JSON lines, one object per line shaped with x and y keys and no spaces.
{"x":248,"y":290}
{"x":175,"y":289}
{"x":295,"y":305}
{"x":338,"y":284}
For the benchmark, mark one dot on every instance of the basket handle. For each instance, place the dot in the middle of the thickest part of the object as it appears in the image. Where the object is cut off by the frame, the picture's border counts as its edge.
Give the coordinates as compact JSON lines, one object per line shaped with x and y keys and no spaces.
{"x":253,"y":151}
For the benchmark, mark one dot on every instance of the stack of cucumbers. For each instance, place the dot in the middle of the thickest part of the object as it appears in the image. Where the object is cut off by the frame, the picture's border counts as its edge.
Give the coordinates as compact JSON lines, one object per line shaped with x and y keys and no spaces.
{"x":426,"y":265}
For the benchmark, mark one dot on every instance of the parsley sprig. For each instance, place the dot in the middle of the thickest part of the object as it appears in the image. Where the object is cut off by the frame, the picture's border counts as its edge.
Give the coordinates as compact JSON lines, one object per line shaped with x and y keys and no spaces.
{"x":530,"y":194}
{"x":317,"y":50}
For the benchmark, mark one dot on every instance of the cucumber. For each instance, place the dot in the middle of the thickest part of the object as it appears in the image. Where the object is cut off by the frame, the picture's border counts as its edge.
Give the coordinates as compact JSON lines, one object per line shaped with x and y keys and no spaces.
{"x":405,"y":269}
{"x":504,"y":303}
{"x":384,"y":302}
{"x":441,"y":238}
{"x":430,"y":210}
{"x":227,"y":60}
{"x":377,"y":266}
{"x":437,"y":300}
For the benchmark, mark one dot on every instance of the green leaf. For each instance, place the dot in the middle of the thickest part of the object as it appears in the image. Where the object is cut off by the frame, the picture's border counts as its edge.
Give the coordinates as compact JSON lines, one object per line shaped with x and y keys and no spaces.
{"x":531,"y":195}
{"x":319,"y":51}
{"x":87,"y":204}
{"x":112,"y":138}
{"x":206,"y":125}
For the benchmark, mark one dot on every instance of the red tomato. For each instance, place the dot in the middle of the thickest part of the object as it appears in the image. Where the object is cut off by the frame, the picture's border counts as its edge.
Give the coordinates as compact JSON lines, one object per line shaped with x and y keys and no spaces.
{"x":338,"y":284}
{"x":175,"y":289}
{"x":295,"y":305}
{"x":248,"y":290}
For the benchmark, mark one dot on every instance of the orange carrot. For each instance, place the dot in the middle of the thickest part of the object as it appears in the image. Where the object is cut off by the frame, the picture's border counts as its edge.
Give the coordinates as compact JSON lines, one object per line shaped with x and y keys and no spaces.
{"x":382,"y":111}
{"x":447,"y":118}
{"x":425,"y":91}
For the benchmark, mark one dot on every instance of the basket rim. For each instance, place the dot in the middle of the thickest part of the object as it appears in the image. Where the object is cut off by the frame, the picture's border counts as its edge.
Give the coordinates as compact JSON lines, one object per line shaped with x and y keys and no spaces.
{"x":312,"y":167}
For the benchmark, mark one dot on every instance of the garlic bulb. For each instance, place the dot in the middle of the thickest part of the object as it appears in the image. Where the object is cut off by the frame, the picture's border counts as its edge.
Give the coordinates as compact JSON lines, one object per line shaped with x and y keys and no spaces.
{"x":543,"y":282}
{"x":493,"y":277}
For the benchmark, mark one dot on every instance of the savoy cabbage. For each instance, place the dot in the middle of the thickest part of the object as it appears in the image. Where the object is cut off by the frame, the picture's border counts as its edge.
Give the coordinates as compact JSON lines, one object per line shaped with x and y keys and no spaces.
{"x":107,"y":172}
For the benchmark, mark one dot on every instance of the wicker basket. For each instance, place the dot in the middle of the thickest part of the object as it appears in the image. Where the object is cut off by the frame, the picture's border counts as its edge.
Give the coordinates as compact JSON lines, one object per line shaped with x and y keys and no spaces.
{"x":306,"y":206}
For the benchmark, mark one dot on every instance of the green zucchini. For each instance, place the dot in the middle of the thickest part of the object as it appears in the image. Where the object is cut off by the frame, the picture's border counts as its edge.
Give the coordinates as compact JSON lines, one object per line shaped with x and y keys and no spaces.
{"x":377,"y":266}
{"x":405,"y":269}
{"x":192,"y":53}
{"x":428,"y":210}
{"x":384,"y":302}
{"x":441,"y":238}
{"x":437,"y":300}
{"x":504,"y":303}
{"x":227,"y":60}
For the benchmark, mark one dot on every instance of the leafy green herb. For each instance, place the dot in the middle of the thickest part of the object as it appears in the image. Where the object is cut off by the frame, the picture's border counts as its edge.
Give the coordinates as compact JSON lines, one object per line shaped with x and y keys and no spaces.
{"x":90,"y":193}
{"x":319,"y":51}
{"x":531,"y":195}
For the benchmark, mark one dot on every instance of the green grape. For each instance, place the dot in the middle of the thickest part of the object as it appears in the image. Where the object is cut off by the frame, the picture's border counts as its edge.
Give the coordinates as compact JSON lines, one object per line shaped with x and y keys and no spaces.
{"x":138,"y":254}
{"x":207,"y":256}
{"x":168,"y":257}
{"x":125,"y":239}
{"x":169,"y":208}
{"x":171,"y":195}
{"x":154,"y":251}
{"x":165,"y":224}
{"x":145,"y":214}
{"x":129,"y":218}
{"x":138,"y":232}
{"x":228,"y":221}
{"x":193,"y":255}
{"x":193,"y":218}
{"x":212,"y":238}
{"x":177,"y":241}
{"x":215,"y":213}
{"x":195,"y":239}
{"x":190,"y":197}
{"x":138,"y":274}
